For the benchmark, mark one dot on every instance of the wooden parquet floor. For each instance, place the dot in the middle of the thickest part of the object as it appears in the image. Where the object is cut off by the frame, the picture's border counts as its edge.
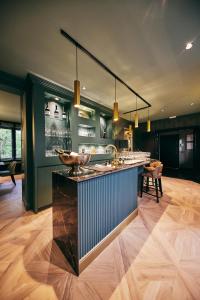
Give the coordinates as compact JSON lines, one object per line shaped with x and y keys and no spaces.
{"x":157,"y":256}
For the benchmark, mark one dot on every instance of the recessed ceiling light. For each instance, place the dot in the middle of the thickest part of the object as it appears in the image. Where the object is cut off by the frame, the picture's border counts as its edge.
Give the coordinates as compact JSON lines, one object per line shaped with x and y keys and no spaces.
{"x":56,"y":98}
{"x":84,"y":88}
{"x":192,"y":103}
{"x":188,"y":46}
{"x":172,"y":117}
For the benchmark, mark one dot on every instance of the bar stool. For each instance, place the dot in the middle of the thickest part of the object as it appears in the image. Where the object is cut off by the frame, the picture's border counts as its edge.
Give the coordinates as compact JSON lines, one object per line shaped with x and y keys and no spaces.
{"x":154,"y":171}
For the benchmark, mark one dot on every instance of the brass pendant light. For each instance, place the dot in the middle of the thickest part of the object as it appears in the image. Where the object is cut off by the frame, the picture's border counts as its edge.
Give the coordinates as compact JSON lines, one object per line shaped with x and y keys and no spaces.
{"x":148,"y":123}
{"x":136,"y":116}
{"x":115,"y":107}
{"x":77,"y":100}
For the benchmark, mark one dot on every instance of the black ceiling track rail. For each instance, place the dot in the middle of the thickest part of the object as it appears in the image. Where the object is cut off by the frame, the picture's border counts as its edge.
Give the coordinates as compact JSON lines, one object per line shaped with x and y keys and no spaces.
{"x":102,"y":65}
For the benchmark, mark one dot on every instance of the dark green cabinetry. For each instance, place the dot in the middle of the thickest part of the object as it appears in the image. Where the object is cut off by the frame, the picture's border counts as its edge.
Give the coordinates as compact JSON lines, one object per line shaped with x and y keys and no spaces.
{"x":90,"y":126}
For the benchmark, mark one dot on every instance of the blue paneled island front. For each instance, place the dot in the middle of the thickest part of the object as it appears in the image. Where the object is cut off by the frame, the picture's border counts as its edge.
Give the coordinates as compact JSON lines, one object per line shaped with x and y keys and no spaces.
{"x":90,"y":210}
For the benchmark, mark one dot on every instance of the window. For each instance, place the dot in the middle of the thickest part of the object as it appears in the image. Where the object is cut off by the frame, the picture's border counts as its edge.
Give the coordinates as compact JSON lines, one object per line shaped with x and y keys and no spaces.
{"x":189,"y":141}
{"x":6,"y":142}
{"x":10,"y":141}
{"x":18,"y":146}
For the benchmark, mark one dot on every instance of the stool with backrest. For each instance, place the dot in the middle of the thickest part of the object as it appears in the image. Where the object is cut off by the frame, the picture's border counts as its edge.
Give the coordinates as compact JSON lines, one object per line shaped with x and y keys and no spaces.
{"x":153,"y":172}
{"x":10,"y":171}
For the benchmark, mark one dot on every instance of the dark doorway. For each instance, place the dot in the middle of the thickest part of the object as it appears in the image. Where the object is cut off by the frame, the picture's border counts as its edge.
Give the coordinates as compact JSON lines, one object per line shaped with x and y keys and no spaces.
{"x":169,"y":151}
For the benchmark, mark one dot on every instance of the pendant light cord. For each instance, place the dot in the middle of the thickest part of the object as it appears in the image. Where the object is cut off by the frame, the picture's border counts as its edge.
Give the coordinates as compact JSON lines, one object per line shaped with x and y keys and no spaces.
{"x":136,"y":103}
{"x":76,"y":63}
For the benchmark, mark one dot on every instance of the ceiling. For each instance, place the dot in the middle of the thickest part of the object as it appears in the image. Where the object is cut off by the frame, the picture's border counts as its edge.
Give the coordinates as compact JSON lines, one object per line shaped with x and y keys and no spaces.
{"x":142,"y":41}
{"x":10,"y":107}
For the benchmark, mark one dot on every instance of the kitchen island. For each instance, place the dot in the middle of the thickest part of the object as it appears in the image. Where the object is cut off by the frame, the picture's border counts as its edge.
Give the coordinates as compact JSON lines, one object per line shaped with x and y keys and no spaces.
{"x":90,"y":210}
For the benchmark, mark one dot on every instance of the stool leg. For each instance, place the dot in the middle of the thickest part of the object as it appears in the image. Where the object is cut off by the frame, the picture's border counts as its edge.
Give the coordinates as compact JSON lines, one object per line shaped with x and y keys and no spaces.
{"x":160,"y":186}
{"x":147,"y":184}
{"x":141,"y":186}
{"x":156,"y":186}
{"x":13,"y":179}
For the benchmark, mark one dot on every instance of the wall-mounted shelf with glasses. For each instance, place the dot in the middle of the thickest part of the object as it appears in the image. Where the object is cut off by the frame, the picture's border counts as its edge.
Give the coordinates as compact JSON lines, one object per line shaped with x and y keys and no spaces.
{"x":86,"y":130}
{"x":92,"y":148}
{"x":57,"y":125}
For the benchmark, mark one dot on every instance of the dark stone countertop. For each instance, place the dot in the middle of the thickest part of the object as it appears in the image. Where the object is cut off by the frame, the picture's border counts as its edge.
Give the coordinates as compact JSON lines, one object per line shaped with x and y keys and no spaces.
{"x":99,"y":173}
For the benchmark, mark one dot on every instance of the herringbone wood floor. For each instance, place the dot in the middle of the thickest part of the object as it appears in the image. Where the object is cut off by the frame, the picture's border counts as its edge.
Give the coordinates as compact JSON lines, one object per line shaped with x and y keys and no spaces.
{"x":156,"y":257}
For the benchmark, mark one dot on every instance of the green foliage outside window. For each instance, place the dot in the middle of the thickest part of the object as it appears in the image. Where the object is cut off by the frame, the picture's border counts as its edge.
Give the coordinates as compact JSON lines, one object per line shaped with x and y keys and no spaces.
{"x":10,"y":143}
{"x":5,"y":143}
{"x":18,"y":143}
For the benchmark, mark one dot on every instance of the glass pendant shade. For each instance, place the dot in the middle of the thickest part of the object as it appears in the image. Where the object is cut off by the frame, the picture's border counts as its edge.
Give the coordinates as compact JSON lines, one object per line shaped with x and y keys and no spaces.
{"x":136,"y":120}
{"x":115,"y":112}
{"x":77,"y":93}
{"x":148,"y":125}
{"x":56,"y":112}
{"x":64,"y":113}
{"x":47,"y":110}
{"x":130,"y":128}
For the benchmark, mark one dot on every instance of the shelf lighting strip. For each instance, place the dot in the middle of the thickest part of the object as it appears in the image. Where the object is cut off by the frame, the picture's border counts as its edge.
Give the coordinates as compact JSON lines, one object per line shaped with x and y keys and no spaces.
{"x":103,"y":66}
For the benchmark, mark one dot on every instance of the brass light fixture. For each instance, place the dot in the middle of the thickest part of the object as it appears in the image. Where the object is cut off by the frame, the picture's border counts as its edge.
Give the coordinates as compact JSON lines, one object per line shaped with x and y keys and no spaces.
{"x":148,"y":123}
{"x":77,"y":100}
{"x":115,"y":107}
{"x":103,"y":66}
{"x":136,"y":116}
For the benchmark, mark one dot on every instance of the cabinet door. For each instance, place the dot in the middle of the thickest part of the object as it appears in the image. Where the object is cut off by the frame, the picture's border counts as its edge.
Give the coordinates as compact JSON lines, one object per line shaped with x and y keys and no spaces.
{"x":44,"y":185}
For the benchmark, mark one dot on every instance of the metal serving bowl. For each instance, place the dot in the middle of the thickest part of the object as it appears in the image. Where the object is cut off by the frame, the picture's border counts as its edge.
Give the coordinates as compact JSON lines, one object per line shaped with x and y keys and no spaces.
{"x":75,"y":161}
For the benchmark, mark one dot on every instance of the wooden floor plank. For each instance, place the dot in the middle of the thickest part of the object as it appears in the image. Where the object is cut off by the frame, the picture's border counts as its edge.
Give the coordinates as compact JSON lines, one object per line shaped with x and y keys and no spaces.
{"x":155,"y":257}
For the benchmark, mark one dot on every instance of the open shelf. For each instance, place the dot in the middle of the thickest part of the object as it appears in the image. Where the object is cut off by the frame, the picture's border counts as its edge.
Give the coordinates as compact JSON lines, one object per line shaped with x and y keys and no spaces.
{"x":105,"y":126}
{"x":92,"y":148}
{"x":86,"y":112}
{"x":86,"y":130}
{"x":57,"y":125}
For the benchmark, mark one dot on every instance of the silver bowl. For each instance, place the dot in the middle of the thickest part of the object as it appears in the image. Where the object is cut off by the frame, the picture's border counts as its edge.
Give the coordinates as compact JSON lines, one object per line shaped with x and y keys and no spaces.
{"x":75,"y":161}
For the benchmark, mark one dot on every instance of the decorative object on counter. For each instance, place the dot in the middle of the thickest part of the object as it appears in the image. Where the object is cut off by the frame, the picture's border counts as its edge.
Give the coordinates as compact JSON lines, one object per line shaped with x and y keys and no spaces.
{"x":74,"y":160}
{"x":136,"y":115}
{"x":77,"y":100}
{"x":128,"y":135}
{"x":112,"y":147}
{"x":115,"y":106}
{"x":148,"y":123}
